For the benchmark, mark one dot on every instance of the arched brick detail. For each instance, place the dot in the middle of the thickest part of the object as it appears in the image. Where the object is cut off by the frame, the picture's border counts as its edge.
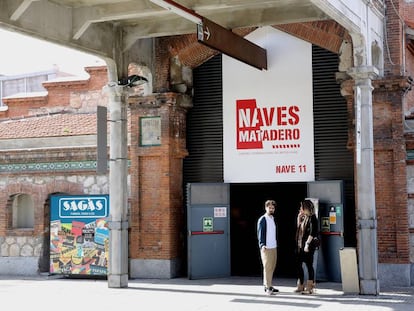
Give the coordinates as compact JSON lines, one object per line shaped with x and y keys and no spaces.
{"x":189,"y":51}
{"x":326,"y":34}
{"x":39,"y":194}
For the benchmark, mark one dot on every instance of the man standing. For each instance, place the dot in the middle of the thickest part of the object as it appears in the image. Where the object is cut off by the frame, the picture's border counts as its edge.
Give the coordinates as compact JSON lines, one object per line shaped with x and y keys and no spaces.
{"x":266,"y":235}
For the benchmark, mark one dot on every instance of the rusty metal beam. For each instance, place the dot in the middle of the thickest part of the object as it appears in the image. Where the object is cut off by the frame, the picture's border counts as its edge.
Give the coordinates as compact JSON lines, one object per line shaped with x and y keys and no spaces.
{"x":219,"y":38}
{"x":231,"y":44}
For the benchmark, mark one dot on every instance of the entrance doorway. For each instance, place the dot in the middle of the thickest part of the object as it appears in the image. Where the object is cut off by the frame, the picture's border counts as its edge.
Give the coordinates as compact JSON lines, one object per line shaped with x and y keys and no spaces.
{"x":333,"y":161}
{"x":246,"y":206}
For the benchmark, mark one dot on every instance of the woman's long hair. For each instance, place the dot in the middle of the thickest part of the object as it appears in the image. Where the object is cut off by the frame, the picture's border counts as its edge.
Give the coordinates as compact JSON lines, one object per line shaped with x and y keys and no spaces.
{"x":308,"y":205}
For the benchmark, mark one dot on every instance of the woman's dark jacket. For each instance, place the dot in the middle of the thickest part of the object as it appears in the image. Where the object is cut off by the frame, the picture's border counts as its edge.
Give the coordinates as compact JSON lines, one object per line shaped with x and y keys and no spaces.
{"x":311,"y":228}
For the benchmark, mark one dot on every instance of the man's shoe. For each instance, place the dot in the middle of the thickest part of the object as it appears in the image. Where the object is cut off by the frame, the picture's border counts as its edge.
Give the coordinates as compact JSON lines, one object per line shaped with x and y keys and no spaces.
{"x":271,"y":290}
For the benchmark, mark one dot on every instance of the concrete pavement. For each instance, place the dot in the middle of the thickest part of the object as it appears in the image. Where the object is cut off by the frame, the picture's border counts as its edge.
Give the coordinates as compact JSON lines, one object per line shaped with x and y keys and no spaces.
{"x":234,"y":293}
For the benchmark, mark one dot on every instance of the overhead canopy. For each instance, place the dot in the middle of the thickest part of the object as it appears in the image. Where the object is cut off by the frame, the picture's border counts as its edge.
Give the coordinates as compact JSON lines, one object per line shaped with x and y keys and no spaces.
{"x":96,"y":26}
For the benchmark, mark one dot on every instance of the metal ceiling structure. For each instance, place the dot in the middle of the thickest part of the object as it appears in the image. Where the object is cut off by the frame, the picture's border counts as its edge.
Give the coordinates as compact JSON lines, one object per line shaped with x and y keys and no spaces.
{"x":100,"y":26}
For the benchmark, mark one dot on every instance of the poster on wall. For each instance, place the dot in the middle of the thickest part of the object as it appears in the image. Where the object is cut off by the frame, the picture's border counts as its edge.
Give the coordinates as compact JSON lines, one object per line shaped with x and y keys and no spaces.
{"x":79,"y":234}
{"x":268,"y":114}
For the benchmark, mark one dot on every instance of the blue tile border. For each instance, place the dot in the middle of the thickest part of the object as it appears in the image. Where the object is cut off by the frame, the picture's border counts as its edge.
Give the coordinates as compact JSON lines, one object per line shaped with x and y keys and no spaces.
{"x":48,"y":166}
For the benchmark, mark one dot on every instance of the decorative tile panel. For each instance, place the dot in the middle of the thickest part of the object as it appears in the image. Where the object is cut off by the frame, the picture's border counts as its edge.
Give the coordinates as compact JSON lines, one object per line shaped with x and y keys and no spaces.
{"x":48,"y":166}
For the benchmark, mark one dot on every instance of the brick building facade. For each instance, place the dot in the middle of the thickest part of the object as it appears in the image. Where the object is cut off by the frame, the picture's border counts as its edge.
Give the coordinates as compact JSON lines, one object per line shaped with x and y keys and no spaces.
{"x":60,"y":156}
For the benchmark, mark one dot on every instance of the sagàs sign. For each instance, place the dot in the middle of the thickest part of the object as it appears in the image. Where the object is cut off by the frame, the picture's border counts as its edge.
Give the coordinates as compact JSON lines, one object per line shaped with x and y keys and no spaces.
{"x":268,"y":115}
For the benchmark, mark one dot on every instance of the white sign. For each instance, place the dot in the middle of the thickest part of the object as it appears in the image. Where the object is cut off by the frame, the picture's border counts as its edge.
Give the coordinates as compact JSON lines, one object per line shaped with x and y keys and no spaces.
{"x":268,"y":115}
{"x":150,"y":131}
{"x":220,"y":212}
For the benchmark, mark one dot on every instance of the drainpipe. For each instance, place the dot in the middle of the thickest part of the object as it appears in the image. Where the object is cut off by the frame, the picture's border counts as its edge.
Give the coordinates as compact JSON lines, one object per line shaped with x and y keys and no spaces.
{"x":118,"y":186}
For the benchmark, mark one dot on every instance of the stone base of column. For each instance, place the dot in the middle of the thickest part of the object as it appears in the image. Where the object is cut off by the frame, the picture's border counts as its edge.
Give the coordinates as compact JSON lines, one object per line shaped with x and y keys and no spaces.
{"x":117,"y":280}
{"x":369,"y":287}
{"x":154,"y":268}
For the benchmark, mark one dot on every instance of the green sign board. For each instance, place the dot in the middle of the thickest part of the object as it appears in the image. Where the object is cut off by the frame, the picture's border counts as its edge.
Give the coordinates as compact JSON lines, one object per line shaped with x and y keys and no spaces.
{"x":325,"y":224}
{"x":207,"y":224}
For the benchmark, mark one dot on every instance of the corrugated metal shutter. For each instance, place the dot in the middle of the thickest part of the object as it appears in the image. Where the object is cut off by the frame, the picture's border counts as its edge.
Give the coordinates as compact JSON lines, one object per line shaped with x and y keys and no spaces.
{"x":332,"y":158}
{"x":205,"y":125}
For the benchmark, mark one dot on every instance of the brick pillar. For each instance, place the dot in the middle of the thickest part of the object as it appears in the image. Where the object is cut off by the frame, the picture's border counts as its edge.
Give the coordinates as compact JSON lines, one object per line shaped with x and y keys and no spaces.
{"x":391,"y":180}
{"x":158,"y":147}
{"x":390,"y":176}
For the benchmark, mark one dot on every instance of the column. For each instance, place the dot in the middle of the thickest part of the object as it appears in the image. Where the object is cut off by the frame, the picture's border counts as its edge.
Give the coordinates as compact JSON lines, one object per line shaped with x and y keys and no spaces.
{"x":118,"y":170}
{"x":365,"y":180}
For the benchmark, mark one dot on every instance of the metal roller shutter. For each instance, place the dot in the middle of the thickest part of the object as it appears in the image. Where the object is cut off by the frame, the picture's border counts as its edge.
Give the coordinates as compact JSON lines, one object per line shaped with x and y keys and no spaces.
{"x":332,"y":158}
{"x":205,"y":125}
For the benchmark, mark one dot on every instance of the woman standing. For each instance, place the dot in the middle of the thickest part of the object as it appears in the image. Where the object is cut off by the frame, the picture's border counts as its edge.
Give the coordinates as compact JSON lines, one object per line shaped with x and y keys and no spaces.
{"x":306,"y":230}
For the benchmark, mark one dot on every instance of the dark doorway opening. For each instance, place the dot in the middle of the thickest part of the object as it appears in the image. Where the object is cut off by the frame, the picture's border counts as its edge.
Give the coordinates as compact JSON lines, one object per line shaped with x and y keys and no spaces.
{"x":246,"y":206}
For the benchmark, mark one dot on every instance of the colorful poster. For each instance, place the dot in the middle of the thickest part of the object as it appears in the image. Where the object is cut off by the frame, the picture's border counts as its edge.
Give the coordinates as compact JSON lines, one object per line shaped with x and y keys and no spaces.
{"x":268,"y":114}
{"x":79,"y":234}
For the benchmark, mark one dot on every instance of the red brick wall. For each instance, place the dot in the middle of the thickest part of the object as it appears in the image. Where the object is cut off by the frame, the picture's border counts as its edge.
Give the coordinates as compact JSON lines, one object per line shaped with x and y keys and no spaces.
{"x":156,"y":201}
{"x":162,"y":64}
{"x":20,"y":107}
{"x":328,"y":34}
{"x":408,"y":15}
{"x":407,"y":11}
{"x":393,"y":59}
{"x":59,"y":94}
{"x":189,"y":52}
{"x":390,"y":172}
{"x":59,"y":91}
{"x":390,"y":168}
{"x":98,"y":78}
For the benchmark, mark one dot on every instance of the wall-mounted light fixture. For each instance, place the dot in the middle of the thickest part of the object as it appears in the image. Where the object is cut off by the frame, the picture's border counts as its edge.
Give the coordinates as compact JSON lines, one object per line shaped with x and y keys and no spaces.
{"x":133,"y":80}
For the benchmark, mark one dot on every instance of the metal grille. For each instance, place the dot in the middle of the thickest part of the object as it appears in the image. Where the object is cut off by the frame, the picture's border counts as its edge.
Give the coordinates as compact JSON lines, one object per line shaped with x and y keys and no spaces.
{"x":333,"y":160}
{"x":205,"y":125}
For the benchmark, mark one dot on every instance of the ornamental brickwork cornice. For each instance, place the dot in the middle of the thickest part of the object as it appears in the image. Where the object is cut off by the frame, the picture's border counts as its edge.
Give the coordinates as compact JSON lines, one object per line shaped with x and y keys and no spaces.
{"x":395,"y":84}
{"x":159,"y":100}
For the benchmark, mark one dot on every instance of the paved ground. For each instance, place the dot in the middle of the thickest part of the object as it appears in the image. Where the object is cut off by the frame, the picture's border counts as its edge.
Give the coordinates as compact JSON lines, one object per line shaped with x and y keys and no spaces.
{"x":230,"y":294}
